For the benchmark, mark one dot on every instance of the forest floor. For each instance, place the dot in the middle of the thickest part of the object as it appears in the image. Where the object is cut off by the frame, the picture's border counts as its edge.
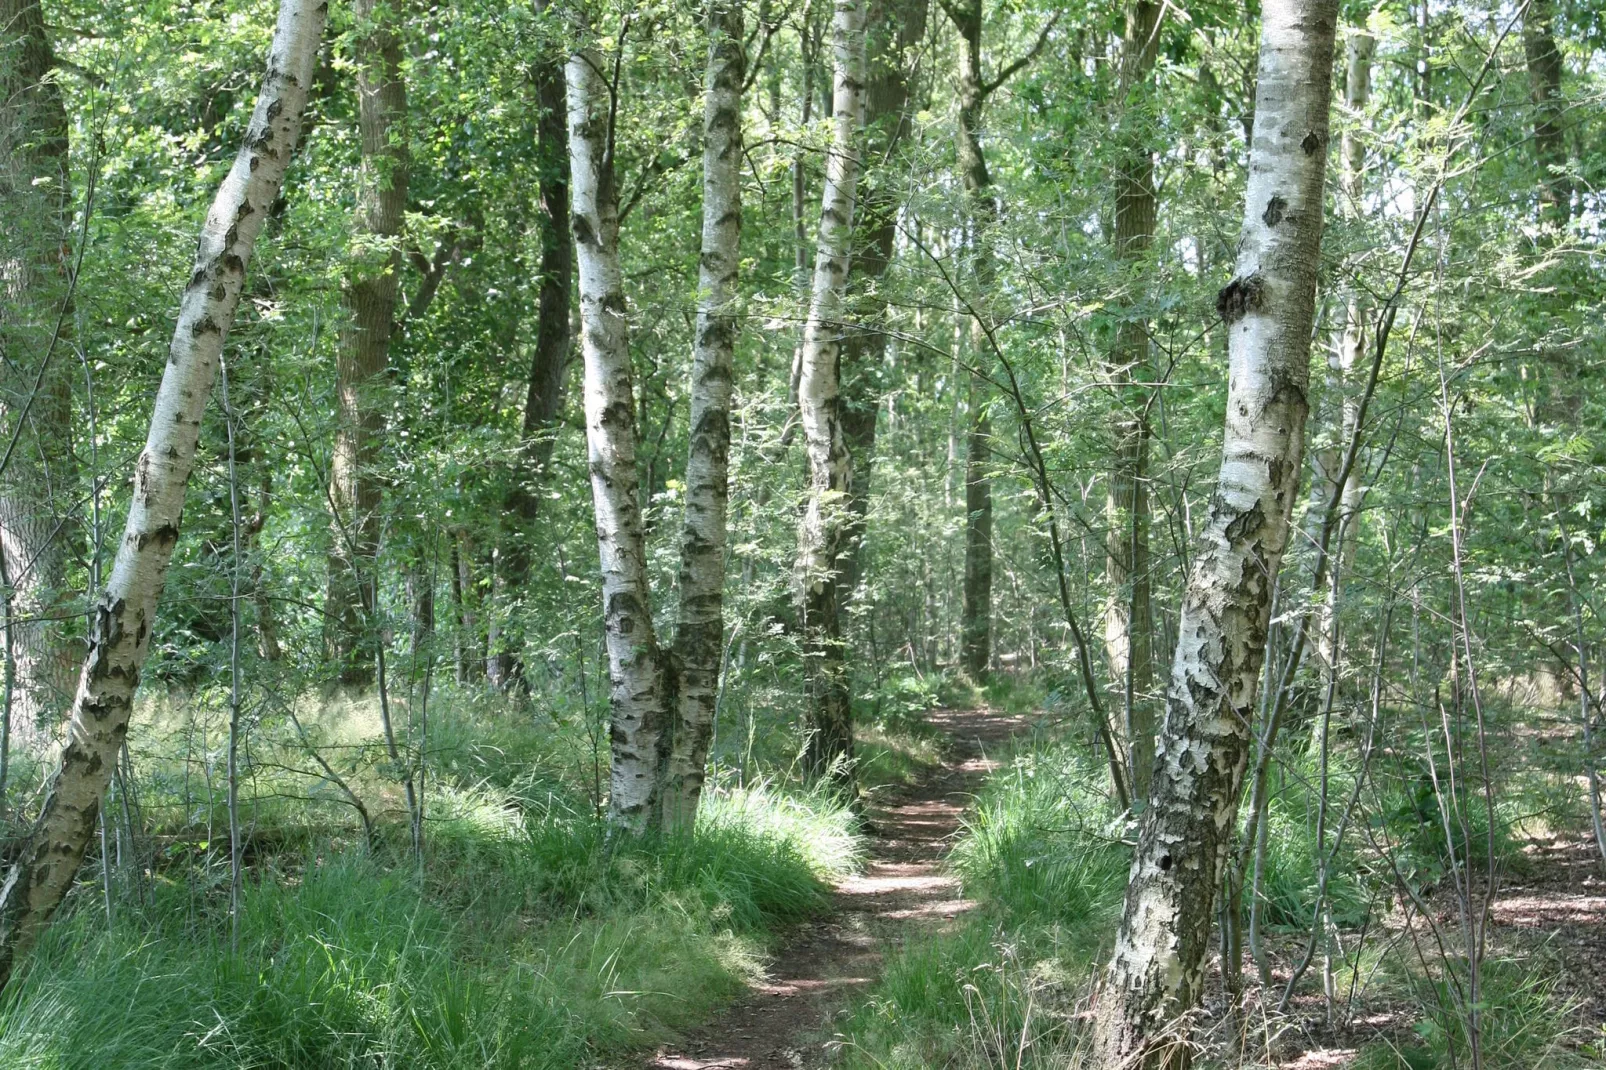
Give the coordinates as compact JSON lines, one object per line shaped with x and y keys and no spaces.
{"x":904,"y":890}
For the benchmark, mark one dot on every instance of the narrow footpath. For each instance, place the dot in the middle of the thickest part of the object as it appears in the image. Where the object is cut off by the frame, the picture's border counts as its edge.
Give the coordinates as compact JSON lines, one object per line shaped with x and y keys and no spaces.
{"x":784,"y":1024}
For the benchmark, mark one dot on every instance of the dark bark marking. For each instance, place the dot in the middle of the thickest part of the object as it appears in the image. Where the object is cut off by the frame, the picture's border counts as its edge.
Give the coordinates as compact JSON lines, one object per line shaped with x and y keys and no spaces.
{"x":1240,"y":297}
{"x":1276,"y":210}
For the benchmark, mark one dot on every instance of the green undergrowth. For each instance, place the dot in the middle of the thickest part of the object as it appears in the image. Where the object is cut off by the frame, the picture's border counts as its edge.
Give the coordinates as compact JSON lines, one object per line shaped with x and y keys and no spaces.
{"x":530,"y":937}
{"x":1040,"y":850}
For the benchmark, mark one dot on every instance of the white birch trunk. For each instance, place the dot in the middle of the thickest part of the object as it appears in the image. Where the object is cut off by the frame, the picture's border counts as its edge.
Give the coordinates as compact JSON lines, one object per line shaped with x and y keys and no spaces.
{"x":639,"y":708}
{"x":825,"y":518}
{"x":1155,"y":976}
{"x":121,"y":628}
{"x":699,"y":638}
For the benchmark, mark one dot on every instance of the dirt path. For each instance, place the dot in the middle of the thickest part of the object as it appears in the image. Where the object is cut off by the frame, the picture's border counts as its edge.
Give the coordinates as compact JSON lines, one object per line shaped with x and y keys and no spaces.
{"x":902,"y":892}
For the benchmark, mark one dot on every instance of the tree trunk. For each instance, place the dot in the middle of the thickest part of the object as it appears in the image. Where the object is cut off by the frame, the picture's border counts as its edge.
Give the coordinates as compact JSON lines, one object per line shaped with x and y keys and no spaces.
{"x":1338,"y":408}
{"x":1128,"y":618}
{"x":894,"y":27}
{"x":37,"y":528}
{"x":638,"y":699}
{"x":549,"y":365}
{"x":1155,"y":976}
{"x":975,"y":621}
{"x":370,"y":314}
{"x":700,"y":631}
{"x":1550,"y":144}
{"x":123,"y":616}
{"x":821,"y":536}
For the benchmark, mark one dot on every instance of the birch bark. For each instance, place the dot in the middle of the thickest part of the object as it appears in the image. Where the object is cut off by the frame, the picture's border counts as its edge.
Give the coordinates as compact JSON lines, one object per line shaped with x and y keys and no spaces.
{"x":120,"y":633}
{"x":370,"y":305}
{"x":35,"y":390}
{"x":1154,"y":978}
{"x":821,"y":540}
{"x":699,"y":635}
{"x":639,"y":705}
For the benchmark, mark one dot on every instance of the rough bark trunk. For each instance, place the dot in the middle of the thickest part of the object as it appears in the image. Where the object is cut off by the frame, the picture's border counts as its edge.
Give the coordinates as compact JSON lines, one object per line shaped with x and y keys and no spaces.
{"x":549,"y":363}
{"x":700,"y":630}
{"x":893,"y":28}
{"x":369,"y":298}
{"x":36,"y":526}
{"x":1128,"y":618}
{"x":821,"y":535}
{"x":638,"y":699}
{"x":1550,"y":145}
{"x":120,"y":633}
{"x":975,"y":620}
{"x":1155,"y":976}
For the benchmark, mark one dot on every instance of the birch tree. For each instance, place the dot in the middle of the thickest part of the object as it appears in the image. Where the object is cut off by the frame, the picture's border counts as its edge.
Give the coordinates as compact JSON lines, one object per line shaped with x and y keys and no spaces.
{"x":1155,"y":976}
{"x":36,"y":470}
{"x":369,"y":301}
{"x":700,"y":631}
{"x":821,"y":535}
{"x":638,"y":700}
{"x":49,"y":857}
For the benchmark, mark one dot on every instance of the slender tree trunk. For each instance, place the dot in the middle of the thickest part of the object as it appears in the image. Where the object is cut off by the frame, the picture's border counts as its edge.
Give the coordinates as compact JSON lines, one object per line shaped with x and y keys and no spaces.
{"x":370,"y":306}
{"x":825,"y":521}
{"x":1128,"y":617}
{"x":700,"y":631}
{"x":1545,"y":70}
{"x":975,"y":621}
{"x":123,"y":616}
{"x":1339,"y":406}
{"x":549,"y":363}
{"x":37,"y":528}
{"x":1155,"y":976}
{"x":640,"y":707}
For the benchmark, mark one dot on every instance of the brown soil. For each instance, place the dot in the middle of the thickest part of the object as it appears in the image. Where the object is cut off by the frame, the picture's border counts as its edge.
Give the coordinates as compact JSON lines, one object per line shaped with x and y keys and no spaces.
{"x":904,"y":890}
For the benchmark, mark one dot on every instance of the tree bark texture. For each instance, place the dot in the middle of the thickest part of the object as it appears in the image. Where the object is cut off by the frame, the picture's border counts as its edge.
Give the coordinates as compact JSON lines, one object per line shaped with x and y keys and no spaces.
{"x":976,"y":611}
{"x":37,"y":528}
{"x":638,"y":702}
{"x":122,"y":618}
{"x":893,"y":29}
{"x":825,"y":519}
{"x":549,"y":362}
{"x":700,"y":630}
{"x":369,"y":298}
{"x":1128,"y":616}
{"x":1545,"y":69}
{"x":1155,"y":975}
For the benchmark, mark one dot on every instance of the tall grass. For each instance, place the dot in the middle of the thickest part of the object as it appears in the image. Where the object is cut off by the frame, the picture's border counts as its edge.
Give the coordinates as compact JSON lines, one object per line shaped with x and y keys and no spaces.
{"x":531,"y":938}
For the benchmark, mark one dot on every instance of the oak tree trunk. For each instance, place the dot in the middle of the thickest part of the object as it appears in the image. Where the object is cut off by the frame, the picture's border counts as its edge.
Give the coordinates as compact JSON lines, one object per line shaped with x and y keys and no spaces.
{"x":700,"y":629}
{"x":638,"y":700}
{"x":123,"y":616}
{"x":825,"y":521}
{"x":369,"y":298}
{"x":1128,"y":617}
{"x":1155,"y":975}
{"x":37,"y":528}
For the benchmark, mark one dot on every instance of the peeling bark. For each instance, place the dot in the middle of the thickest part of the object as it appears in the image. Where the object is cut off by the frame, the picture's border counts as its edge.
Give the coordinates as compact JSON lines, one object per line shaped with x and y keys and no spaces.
{"x":1155,"y":976}
{"x":638,"y":699}
{"x":821,"y":536}
{"x":700,"y":631}
{"x":120,"y":633}
{"x":370,"y":297}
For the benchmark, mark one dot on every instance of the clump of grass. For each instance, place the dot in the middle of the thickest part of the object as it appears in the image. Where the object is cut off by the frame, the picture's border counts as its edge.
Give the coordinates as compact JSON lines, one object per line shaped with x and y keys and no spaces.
{"x":531,"y":939}
{"x":1525,"y":1024}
